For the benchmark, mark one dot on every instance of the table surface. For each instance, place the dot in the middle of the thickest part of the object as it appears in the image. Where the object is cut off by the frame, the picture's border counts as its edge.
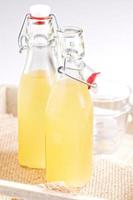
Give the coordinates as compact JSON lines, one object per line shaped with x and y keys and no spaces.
{"x":123,"y":157}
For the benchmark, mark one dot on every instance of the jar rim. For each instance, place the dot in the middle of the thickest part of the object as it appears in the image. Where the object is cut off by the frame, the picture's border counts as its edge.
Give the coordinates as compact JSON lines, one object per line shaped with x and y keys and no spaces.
{"x":112,"y":91}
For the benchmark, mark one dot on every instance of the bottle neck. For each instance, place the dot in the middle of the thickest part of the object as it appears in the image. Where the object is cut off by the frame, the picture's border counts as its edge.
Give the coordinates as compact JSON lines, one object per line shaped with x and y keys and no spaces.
{"x":39,"y":58}
{"x":74,"y":67}
{"x":40,"y":34}
{"x":73,"y":63}
{"x":40,"y":46}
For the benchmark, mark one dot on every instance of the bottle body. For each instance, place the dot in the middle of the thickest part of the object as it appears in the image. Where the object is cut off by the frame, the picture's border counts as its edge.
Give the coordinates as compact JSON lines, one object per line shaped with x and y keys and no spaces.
{"x":69,"y":122}
{"x":37,"y":36}
{"x":32,"y":98}
{"x":34,"y":88}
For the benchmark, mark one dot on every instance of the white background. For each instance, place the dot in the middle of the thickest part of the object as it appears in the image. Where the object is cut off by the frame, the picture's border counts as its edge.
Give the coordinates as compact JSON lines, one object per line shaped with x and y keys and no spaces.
{"x":108,"y":33}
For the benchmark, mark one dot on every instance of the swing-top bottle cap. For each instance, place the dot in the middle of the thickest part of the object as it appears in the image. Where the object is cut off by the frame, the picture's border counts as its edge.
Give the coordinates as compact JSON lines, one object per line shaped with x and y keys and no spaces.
{"x":40,"y":10}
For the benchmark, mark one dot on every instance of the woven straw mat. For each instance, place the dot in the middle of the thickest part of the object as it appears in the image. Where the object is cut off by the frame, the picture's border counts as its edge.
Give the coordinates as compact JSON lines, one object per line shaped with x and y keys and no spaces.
{"x":110,"y":180}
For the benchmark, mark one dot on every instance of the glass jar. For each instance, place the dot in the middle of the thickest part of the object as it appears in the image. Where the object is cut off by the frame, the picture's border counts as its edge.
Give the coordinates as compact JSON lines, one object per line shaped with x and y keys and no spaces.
{"x":111,"y":111}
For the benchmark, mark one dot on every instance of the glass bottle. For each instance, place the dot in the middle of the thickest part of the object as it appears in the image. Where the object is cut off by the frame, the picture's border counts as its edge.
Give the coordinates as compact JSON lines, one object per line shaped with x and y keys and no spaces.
{"x":38,"y":39}
{"x":69,"y":118}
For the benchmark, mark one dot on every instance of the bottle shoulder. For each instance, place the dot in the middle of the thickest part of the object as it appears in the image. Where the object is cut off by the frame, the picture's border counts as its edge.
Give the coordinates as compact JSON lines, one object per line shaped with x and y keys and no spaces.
{"x":68,"y":94}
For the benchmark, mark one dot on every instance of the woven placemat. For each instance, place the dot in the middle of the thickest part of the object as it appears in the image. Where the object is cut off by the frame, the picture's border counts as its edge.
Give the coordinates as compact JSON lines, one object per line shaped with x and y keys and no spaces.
{"x":110,"y":180}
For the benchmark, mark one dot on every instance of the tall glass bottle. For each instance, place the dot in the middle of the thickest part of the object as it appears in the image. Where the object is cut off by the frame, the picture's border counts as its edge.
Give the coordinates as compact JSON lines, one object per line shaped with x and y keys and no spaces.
{"x":35,"y":84}
{"x":69,"y":118}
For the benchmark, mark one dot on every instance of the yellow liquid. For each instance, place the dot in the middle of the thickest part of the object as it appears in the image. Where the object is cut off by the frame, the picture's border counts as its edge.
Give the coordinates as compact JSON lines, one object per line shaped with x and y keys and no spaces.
{"x":69,"y":123}
{"x":32,"y":98}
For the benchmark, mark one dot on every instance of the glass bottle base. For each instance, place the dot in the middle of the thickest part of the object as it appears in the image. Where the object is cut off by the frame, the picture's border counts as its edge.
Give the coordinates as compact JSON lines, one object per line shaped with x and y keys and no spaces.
{"x":62,"y":187}
{"x":31,"y":165}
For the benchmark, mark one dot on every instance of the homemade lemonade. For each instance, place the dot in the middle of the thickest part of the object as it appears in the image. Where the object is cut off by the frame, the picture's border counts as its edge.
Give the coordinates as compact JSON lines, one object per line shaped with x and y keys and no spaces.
{"x":69,"y":122}
{"x":32,"y":97}
{"x":38,"y":38}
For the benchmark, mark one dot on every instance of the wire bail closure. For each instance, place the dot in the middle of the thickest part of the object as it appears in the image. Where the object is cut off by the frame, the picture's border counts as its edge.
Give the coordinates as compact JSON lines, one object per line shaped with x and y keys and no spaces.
{"x":61,"y":70}
{"x":22,"y":38}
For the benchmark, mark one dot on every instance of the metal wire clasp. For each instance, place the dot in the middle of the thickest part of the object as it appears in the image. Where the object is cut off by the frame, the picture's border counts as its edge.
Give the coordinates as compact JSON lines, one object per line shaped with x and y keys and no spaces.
{"x":55,"y":19}
{"x":22,"y":38}
{"x":61,"y":70}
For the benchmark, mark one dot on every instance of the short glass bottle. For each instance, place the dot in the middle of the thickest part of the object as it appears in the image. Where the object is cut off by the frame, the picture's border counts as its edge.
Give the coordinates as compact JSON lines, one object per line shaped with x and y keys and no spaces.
{"x":69,"y":119}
